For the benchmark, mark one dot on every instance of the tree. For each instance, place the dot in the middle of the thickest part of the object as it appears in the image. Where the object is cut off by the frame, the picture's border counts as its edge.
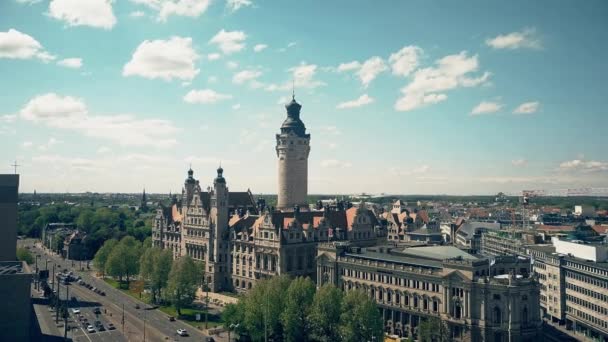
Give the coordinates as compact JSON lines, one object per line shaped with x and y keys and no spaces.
{"x":324,"y":315}
{"x":360,"y":319}
{"x":160,"y":272}
{"x":263,"y":307}
{"x":101,"y":257}
{"x":132,"y":256}
{"x":433,"y":330}
{"x":147,"y":242}
{"x":300,"y":295}
{"x":115,"y":265}
{"x":182,"y":284}
{"x":24,"y":255}
{"x":234,"y":314}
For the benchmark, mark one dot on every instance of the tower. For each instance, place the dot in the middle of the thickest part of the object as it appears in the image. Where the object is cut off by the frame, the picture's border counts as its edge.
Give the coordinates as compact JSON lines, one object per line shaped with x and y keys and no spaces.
{"x":144,"y":202}
{"x":293,"y":147}
{"x":219,"y":251}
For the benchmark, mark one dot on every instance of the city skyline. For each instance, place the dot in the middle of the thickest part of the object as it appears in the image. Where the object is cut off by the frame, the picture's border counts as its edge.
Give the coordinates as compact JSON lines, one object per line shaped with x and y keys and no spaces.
{"x":476,"y":100}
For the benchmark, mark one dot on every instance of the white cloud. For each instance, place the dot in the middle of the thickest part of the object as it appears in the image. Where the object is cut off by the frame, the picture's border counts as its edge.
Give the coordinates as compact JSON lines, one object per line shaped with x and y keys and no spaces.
{"x":236,"y":106}
{"x":49,"y":144}
{"x":103,"y":150}
{"x":94,"y":13}
{"x":164,"y":59}
{"x":27,"y":144}
{"x":229,"y":41}
{"x":235,"y":5}
{"x":247,"y":76}
{"x":335,"y":164}
{"x":366,"y":71}
{"x":303,"y":77}
{"x":73,"y":63}
{"x":28,"y":2}
{"x":525,"y":39}
{"x":354,"y":65}
{"x":184,"y":8}
{"x":404,"y":61}
{"x":333,"y":130}
{"x":370,"y":69}
{"x":429,"y":84}
{"x":70,"y":113}
{"x":213,"y":56}
{"x":289,"y":46}
{"x":410,"y":171}
{"x":8,"y":118}
{"x":519,"y":162}
{"x":527,"y":108}
{"x":205,"y":96}
{"x":232,"y":65}
{"x":259,"y":47}
{"x":486,"y":107}
{"x":583,"y":166}
{"x":211,"y":79}
{"x":136,"y":14}
{"x":17,"y":45}
{"x":361,"y":101}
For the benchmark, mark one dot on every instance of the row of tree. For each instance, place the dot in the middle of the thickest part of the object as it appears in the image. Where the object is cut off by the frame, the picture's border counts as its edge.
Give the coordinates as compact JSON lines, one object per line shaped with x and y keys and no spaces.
{"x":168,"y":280}
{"x":294,"y":310}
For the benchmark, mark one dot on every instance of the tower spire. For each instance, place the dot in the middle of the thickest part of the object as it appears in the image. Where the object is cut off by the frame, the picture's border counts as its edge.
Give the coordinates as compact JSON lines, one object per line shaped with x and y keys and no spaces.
{"x":293,"y":88}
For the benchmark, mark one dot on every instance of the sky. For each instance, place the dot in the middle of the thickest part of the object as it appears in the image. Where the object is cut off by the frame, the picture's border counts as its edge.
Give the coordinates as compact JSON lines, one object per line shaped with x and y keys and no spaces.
{"x":400,"y":97}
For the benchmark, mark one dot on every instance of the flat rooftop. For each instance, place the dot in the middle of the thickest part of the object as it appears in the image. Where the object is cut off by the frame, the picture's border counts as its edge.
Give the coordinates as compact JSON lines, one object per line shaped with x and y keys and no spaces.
{"x":13,"y":267}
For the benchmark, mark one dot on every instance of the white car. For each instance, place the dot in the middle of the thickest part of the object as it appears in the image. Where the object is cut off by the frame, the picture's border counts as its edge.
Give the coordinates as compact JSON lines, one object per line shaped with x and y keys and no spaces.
{"x":182,"y":332}
{"x":76,"y":311}
{"x":90,"y":329}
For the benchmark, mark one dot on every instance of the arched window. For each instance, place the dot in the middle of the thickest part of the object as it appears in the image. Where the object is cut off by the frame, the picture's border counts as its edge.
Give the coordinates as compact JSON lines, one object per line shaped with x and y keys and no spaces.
{"x":497,"y":315}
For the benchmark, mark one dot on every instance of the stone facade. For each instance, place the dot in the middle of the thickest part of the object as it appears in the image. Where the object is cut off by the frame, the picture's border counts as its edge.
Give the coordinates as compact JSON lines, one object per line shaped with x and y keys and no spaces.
{"x":293,"y":147}
{"x":409,"y":288}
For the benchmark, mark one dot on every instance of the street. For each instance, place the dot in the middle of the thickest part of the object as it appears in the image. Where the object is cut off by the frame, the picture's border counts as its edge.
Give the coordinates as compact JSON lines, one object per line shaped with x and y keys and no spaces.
{"x":140,"y":324}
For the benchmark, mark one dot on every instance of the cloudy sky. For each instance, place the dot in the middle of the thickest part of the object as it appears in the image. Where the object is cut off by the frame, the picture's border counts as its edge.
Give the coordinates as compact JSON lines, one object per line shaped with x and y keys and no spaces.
{"x":414,"y":97}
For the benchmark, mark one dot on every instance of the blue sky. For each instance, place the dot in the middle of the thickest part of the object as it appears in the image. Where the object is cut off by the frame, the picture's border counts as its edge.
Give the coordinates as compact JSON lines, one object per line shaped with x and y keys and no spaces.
{"x":414,"y":97}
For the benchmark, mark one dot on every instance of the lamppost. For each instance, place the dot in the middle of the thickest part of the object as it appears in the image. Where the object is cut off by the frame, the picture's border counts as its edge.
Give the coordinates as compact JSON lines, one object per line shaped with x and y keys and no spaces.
{"x":232,"y":326}
{"x":37,"y":277}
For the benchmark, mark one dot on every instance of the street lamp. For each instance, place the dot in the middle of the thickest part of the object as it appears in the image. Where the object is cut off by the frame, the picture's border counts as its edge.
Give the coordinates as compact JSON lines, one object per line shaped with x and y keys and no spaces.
{"x":230,"y":328}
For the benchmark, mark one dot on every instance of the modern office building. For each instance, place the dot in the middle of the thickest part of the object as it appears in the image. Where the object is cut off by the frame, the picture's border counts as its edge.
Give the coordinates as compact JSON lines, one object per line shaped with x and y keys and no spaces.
{"x":15,"y":276}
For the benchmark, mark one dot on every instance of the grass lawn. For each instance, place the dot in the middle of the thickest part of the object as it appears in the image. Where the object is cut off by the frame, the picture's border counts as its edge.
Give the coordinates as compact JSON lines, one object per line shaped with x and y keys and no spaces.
{"x":188,"y":314}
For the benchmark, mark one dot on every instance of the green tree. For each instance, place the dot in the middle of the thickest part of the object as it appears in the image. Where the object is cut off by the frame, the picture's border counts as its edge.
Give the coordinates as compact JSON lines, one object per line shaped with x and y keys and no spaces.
{"x":85,"y":220}
{"x":433,"y":330}
{"x":324,"y":316}
{"x":24,"y":255}
{"x":234,"y":314}
{"x":116,"y":266}
{"x":182,"y":284}
{"x":300,"y":295}
{"x":360,"y":319}
{"x":160,"y":272}
{"x":147,"y":243}
{"x":263,"y":307}
{"x":101,"y":257}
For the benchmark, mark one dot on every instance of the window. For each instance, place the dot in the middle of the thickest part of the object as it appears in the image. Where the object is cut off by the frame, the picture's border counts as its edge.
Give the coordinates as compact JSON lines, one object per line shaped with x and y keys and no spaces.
{"x":497,"y":315}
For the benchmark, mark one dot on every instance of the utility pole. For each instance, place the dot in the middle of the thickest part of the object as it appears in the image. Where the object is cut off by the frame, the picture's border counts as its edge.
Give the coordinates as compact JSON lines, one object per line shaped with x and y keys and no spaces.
{"x":123,"y":318}
{"x":57,"y":301}
{"x":66,"y":313}
{"x":144,"y":325}
{"x":207,"y":307}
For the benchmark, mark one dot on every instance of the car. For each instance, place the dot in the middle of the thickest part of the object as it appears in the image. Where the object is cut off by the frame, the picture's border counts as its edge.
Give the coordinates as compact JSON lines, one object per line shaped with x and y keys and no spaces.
{"x":182,"y":332}
{"x":97,"y":311}
{"x":74,"y":299}
{"x":94,"y":289}
{"x":76,"y":311}
{"x":90,"y":329}
{"x":171,"y":319}
{"x":101,"y":328}
{"x":102,"y":293}
{"x":80,"y":282}
{"x":84,"y":324}
{"x":137,"y":306}
{"x":111,"y":326}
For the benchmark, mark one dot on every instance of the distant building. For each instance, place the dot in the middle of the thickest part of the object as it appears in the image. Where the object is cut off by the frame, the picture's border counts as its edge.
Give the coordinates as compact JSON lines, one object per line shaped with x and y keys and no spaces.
{"x":411,"y":285}
{"x":16,"y":311}
{"x":585,"y":211}
{"x":74,"y":247}
{"x":573,"y":277}
{"x":468,"y":235}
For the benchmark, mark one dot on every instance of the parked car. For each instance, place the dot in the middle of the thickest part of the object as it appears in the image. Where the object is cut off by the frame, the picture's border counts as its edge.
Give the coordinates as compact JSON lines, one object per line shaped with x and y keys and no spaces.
{"x":182,"y":332}
{"x":171,"y":319}
{"x":111,"y":326}
{"x":90,"y":329}
{"x":102,"y":293}
{"x":137,"y":306}
{"x":76,"y":311}
{"x":97,"y":311}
